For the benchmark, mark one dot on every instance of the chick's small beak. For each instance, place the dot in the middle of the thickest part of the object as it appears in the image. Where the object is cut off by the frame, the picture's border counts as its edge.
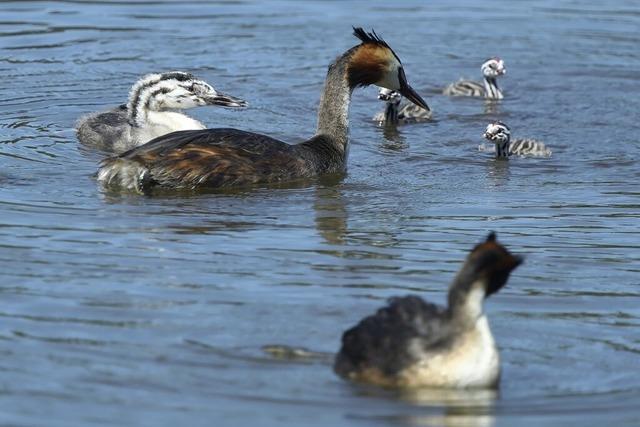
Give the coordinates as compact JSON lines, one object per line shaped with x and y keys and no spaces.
{"x":225,"y":100}
{"x":408,"y":92}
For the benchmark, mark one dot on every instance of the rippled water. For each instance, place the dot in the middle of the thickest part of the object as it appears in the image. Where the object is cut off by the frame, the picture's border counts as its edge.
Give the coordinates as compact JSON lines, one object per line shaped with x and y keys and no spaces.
{"x":129,"y":310}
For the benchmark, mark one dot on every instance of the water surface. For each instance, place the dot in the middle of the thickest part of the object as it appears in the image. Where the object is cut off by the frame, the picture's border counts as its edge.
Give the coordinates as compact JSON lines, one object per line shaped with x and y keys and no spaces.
{"x":130,"y":310}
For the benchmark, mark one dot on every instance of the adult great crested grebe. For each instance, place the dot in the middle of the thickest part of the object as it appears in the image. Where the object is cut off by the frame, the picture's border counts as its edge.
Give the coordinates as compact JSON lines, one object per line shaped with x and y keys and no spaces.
{"x":500,"y":134}
{"x":394,"y":114}
{"x":491,"y":69}
{"x":221,"y":158}
{"x":412,"y":343}
{"x":148,"y":114}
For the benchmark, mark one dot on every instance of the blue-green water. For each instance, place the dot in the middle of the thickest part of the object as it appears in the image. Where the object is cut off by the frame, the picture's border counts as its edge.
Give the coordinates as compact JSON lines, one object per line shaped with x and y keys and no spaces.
{"x":128,"y":310}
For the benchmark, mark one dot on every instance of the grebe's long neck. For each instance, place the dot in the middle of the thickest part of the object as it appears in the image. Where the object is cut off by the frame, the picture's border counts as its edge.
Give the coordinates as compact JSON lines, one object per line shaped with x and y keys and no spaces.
{"x":491,"y":88}
{"x":333,"y":114}
{"x":466,"y":296}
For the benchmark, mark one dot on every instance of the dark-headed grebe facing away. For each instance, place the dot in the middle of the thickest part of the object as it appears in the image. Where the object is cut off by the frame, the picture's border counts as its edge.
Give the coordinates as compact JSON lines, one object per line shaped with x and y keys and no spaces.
{"x":394,"y":114}
{"x":491,"y":69}
{"x":413,"y":343}
{"x":500,"y":134}
{"x":148,"y":113}
{"x":222,"y":158}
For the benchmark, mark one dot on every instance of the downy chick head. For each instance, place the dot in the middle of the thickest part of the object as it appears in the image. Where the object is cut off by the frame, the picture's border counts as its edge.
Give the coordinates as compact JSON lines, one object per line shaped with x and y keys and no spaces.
{"x":374,"y":62}
{"x":390,"y":96}
{"x":493,"y":67}
{"x":497,"y":132}
{"x":178,"y":90}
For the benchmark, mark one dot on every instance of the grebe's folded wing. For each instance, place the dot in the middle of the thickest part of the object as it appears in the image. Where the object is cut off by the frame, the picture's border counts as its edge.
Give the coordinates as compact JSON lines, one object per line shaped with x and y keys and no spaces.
{"x":214,"y":157}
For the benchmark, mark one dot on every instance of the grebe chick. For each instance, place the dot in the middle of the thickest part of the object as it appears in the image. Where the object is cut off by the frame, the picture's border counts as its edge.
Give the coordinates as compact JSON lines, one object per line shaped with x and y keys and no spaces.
{"x":413,"y":343}
{"x":500,"y":134}
{"x":393,"y":114}
{"x":491,"y":69}
{"x":217,"y":158}
{"x":146,"y":115}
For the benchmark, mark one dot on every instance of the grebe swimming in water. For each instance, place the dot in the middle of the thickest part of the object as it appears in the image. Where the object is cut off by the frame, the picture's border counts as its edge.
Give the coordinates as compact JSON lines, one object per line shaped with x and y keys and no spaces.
{"x":217,"y":158}
{"x":147,"y":114}
{"x":500,"y":135}
{"x":394,"y":114}
{"x":413,"y":343}
{"x":491,"y":69}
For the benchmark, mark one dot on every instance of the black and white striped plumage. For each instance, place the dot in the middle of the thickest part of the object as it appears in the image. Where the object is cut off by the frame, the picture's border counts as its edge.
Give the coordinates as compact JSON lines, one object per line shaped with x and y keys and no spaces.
{"x":394,"y":114}
{"x":491,"y":69}
{"x":500,"y":134}
{"x":147,"y":114}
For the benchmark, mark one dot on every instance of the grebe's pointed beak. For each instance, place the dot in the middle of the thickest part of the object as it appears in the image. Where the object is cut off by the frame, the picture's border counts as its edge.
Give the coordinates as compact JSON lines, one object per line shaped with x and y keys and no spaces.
{"x":409,"y":93}
{"x":225,"y":100}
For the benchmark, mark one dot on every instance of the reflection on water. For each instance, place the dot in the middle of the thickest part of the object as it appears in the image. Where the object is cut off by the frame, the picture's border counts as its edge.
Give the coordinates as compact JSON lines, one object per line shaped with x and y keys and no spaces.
{"x":164,"y":309}
{"x":471,"y":408}
{"x":331,"y":214}
{"x":498,"y":171}
{"x":492,"y":108}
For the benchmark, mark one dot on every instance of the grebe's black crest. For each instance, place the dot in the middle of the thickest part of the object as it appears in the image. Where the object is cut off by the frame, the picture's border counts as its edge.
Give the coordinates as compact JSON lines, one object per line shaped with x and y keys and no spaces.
{"x":372,"y":37}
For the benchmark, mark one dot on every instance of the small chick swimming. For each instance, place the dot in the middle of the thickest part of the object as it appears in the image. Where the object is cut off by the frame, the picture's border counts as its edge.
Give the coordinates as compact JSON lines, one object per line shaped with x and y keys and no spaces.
{"x":500,"y":134}
{"x":413,"y":343}
{"x":393,"y":114}
{"x":147,"y":114}
{"x":491,"y":69}
{"x":224,"y":158}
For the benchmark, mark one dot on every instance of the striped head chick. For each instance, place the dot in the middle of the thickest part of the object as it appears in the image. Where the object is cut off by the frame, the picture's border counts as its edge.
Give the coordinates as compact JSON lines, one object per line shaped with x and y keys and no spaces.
{"x":493,"y":67}
{"x":396,"y":114}
{"x":374,"y":62}
{"x":154,"y":99}
{"x":174,"y":90}
{"x":500,"y":134}
{"x":389,"y":96}
{"x":392,"y":99}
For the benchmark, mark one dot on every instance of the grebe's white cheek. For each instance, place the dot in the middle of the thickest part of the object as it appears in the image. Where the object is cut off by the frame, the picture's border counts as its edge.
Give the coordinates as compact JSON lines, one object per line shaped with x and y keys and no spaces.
{"x":391,"y":79}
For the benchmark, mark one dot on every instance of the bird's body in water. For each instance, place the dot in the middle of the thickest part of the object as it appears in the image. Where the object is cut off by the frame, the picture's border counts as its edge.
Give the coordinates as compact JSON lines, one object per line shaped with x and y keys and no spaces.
{"x":149,"y":112}
{"x":500,"y":134}
{"x":413,"y":343}
{"x":491,"y":69}
{"x":222,"y":158}
{"x":396,"y":114}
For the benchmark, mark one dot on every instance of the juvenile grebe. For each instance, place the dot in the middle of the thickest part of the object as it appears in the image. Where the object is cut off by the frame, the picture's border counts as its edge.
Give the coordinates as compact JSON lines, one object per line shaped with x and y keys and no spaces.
{"x":218,"y":158}
{"x":413,"y":343}
{"x":500,"y":135}
{"x":492,"y":68}
{"x":147,"y":116}
{"x":393,"y":114}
